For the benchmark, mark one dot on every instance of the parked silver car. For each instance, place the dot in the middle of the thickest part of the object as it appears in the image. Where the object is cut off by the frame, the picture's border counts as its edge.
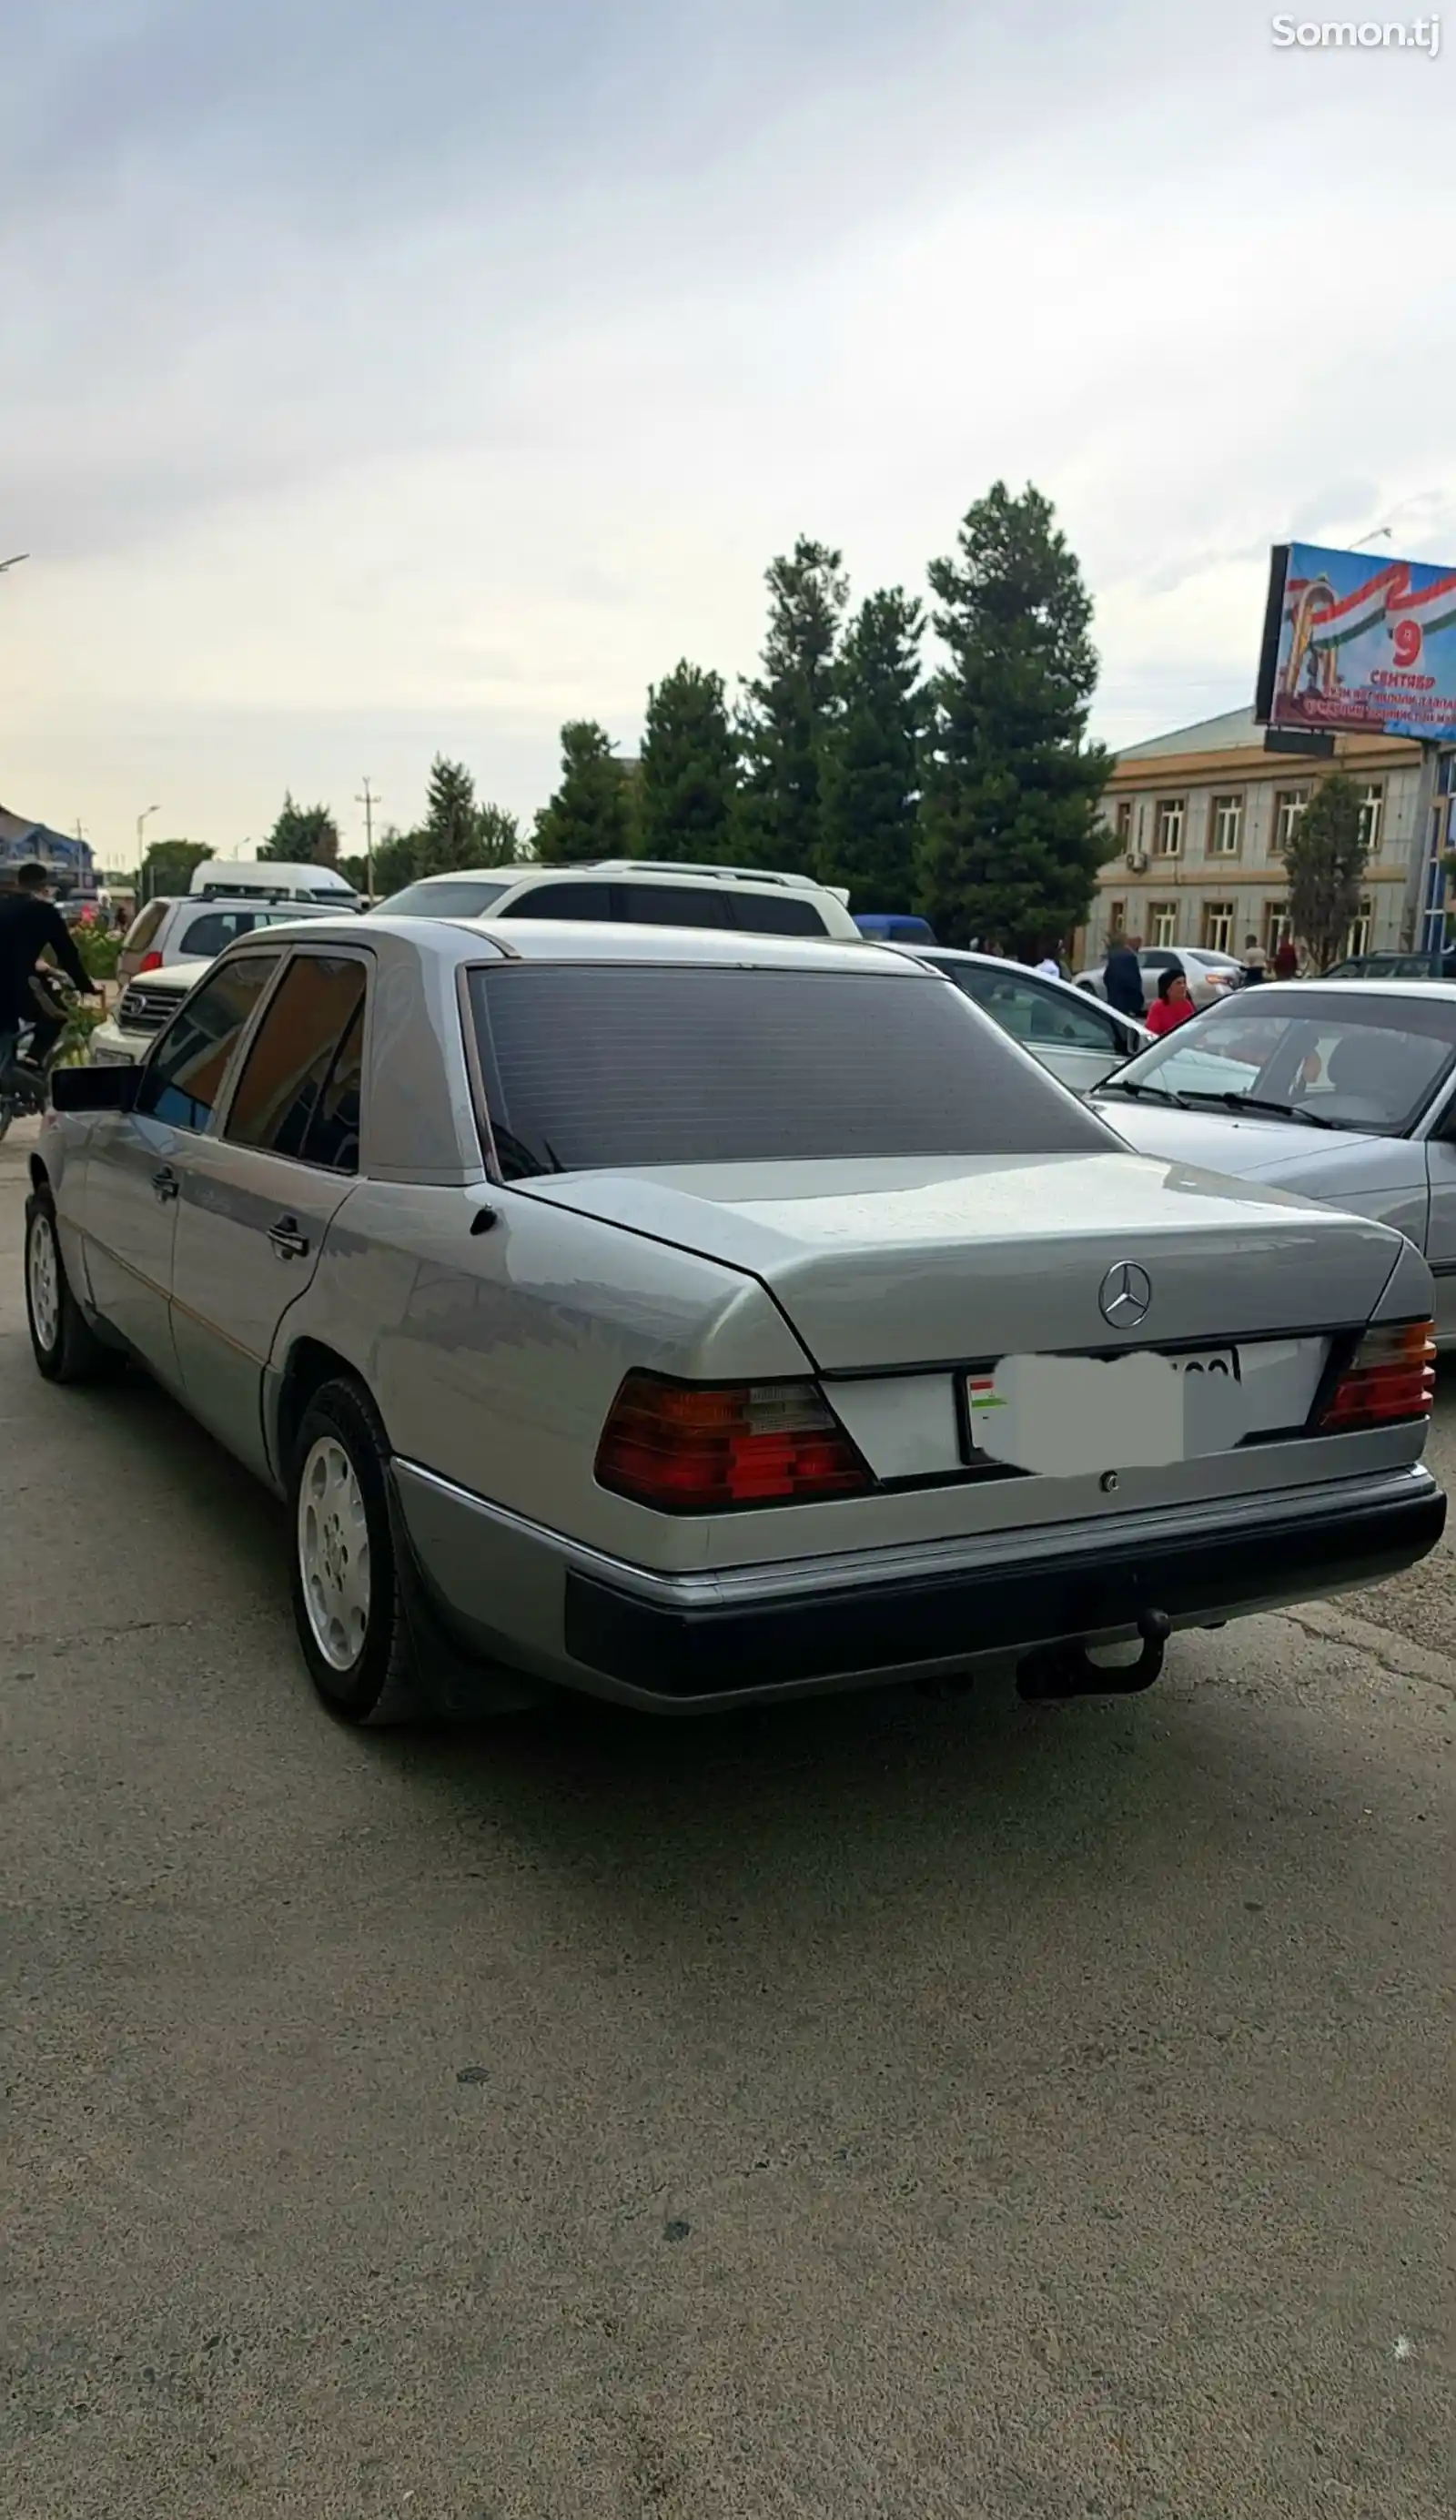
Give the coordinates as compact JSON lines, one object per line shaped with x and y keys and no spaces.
{"x":1080,"y":1043}
{"x":1344,"y":1090}
{"x":699,"y":1318}
{"x":1210,"y":975}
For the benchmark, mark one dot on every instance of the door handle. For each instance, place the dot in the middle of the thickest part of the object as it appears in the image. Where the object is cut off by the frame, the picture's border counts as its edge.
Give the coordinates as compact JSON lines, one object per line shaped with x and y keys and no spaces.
{"x":286,"y":1241}
{"x":165,"y":1183}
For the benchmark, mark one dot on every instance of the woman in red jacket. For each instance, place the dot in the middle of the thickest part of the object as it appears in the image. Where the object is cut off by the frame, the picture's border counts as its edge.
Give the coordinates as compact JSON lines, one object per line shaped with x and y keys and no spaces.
{"x":1173,"y":1004}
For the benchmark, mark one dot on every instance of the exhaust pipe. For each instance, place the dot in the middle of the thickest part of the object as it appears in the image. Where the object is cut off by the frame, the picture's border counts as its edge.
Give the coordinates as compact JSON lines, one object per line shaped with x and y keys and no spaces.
{"x":1067,"y":1670}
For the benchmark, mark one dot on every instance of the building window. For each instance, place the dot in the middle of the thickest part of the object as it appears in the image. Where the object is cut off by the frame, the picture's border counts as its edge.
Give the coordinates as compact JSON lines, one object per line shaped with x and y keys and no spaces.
{"x":1226,"y":826}
{"x":1167,"y":827}
{"x":1218,"y":926}
{"x":1124,"y":824}
{"x":1277,"y":929}
{"x":1163,"y":924}
{"x":1357,"y":934}
{"x":1289,"y":805}
{"x":1372,"y":805}
{"x":1116,"y":921}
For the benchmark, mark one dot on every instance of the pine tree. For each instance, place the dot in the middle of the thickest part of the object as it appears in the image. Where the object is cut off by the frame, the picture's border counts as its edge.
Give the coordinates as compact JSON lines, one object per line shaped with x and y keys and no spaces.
{"x":1325,"y":859}
{"x":588,"y":817}
{"x":303,"y":835}
{"x":687,"y":776}
{"x":1010,"y":837}
{"x":787,"y":708}
{"x":446,"y":839}
{"x":871,"y":756}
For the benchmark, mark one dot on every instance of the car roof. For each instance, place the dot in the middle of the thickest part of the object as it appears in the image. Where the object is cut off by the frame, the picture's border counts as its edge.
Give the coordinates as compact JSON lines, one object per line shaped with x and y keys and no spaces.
{"x":591,"y":940}
{"x":630,"y":870}
{"x":1382,"y":992}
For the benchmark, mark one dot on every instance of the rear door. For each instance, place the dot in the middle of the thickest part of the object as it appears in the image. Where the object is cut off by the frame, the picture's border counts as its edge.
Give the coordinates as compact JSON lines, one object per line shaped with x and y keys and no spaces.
{"x":265,"y":1189}
{"x":137,"y":1161}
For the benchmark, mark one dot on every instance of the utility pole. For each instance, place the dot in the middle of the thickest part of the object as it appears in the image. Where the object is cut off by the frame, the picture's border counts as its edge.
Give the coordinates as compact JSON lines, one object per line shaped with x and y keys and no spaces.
{"x":14,"y":562}
{"x":368,"y":799}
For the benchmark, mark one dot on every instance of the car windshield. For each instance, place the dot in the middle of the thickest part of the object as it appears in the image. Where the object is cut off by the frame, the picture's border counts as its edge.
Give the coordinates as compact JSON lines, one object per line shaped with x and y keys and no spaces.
{"x":590,"y":1065}
{"x":430,"y":899}
{"x":1315,"y":1054}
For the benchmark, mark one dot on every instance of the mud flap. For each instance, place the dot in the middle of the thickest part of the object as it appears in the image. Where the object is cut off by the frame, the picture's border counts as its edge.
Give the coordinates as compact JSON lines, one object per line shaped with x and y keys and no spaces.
{"x":454,"y":1685}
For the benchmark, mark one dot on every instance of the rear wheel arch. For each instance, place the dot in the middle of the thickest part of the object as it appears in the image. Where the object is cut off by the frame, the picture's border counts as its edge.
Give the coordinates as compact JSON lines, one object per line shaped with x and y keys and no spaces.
{"x":311,"y":1364}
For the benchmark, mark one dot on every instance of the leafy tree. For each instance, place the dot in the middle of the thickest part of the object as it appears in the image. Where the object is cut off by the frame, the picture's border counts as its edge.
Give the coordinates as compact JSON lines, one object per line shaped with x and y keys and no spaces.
{"x":787,"y":708}
{"x":396,"y":856}
{"x":357,"y":872}
{"x":870,"y":768}
{"x":685,"y":784}
{"x":167,"y":867}
{"x":498,"y":840}
{"x":1325,"y":859}
{"x":303,"y":835}
{"x":447,"y":839}
{"x":589,"y":816}
{"x":1010,"y":837}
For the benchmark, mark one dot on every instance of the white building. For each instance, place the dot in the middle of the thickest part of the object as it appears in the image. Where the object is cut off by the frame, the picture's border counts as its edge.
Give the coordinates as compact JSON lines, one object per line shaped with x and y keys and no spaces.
{"x":1197,"y":820}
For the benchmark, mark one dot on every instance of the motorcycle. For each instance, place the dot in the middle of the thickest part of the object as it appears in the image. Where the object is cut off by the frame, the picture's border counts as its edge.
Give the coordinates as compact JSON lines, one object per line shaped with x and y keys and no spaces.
{"x":26,"y":1075}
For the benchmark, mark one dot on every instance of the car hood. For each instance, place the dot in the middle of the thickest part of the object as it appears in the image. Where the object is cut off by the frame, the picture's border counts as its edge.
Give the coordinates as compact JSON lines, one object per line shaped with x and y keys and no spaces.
{"x":900,"y":1260}
{"x":1222,"y":1142}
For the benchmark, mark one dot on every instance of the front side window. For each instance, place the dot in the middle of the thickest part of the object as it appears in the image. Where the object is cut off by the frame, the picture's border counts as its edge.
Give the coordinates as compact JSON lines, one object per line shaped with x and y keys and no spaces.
{"x":593,"y":1066}
{"x":214,"y":930}
{"x":184,"y":1076}
{"x":290,"y":1099}
{"x":1323,"y":1062}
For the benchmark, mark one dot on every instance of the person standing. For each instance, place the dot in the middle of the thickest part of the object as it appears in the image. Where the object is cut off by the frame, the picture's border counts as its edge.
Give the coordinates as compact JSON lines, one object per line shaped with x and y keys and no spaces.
{"x":1285,"y":960}
{"x":1122,"y":976}
{"x":1173,"y":1004}
{"x":1255,"y":961}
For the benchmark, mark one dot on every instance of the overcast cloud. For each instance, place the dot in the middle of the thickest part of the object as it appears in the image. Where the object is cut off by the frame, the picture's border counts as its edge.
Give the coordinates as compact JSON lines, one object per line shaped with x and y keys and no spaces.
{"x":375,"y":379}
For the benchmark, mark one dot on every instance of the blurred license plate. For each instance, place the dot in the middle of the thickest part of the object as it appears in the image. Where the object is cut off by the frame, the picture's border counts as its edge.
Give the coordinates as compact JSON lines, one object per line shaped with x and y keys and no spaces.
{"x":1070,"y":1415}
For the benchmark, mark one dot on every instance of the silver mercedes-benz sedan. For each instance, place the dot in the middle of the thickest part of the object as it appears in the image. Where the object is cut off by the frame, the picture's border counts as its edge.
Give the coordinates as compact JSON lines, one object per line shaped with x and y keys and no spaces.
{"x":696,"y":1319}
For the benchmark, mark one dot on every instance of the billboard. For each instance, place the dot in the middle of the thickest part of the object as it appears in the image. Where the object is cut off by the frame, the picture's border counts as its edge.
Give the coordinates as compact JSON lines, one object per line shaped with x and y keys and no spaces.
{"x":1360,"y":646}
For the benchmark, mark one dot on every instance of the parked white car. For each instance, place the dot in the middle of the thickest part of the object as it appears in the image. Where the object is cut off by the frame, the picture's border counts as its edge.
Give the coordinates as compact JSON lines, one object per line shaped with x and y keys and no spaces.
{"x":1210,"y":975}
{"x":145,"y":1005}
{"x":648,"y":891}
{"x":194,"y":928}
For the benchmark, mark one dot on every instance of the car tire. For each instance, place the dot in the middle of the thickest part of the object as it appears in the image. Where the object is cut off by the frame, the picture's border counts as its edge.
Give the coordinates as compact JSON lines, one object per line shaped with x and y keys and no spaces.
{"x":65,"y":1346}
{"x":348,"y":1601}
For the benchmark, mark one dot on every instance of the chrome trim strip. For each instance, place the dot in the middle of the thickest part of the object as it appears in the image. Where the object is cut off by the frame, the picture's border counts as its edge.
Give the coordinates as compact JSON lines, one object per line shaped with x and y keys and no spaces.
{"x":795,"y":1578}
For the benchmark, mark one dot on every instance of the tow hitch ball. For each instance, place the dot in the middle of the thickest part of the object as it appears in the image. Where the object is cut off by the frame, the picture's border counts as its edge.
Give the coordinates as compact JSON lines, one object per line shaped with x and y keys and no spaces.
{"x":1069,"y":1671}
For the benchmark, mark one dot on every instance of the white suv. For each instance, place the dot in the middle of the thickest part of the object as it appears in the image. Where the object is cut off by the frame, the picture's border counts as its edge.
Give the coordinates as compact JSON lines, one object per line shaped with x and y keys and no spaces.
{"x":196,"y":926}
{"x":658,"y":893}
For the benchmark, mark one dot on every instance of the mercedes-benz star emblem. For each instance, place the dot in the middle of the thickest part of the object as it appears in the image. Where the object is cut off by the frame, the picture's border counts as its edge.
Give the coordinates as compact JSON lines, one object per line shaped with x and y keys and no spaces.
{"x":1124,"y":1295}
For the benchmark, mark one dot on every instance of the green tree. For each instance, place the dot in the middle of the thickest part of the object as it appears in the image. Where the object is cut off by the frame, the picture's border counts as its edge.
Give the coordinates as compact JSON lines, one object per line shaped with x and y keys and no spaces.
{"x":167,"y":867}
{"x":687,"y":773}
{"x":1325,"y":861}
{"x":589,"y":815}
{"x":870,"y":769}
{"x":395,"y":859}
{"x":787,"y":708}
{"x":1010,"y":837}
{"x":303,"y":835}
{"x":447,"y":837}
{"x":498,"y":840}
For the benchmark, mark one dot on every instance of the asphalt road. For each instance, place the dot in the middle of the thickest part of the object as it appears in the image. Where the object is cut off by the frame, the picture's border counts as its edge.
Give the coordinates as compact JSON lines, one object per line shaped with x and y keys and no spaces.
{"x":884,"y":2109}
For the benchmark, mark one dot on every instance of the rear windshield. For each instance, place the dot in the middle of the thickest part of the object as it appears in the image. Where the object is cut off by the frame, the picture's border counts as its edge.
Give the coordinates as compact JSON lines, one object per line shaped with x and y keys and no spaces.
{"x":602,"y":1066}
{"x":463,"y":900}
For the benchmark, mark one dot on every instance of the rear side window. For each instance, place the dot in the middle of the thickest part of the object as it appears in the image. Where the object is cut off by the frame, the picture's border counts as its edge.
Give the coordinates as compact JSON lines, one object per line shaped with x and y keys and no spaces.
{"x":589,"y":1067}
{"x":563,"y":901}
{"x":668,"y":904}
{"x":183,"y":1077}
{"x":294,"y":1096}
{"x":216,"y":929}
{"x":764,"y":915}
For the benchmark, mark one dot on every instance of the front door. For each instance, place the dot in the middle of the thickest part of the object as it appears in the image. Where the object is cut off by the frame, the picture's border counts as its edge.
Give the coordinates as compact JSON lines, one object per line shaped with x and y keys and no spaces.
{"x":137,"y":1161}
{"x":263,"y":1190}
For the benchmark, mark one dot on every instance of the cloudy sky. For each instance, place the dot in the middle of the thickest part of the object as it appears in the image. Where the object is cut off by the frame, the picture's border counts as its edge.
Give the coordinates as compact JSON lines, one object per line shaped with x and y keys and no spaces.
{"x":377,"y":378}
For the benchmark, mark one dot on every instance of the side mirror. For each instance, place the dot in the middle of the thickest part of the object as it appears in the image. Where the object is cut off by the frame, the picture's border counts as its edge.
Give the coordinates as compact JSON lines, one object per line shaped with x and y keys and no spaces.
{"x":94,"y":1089}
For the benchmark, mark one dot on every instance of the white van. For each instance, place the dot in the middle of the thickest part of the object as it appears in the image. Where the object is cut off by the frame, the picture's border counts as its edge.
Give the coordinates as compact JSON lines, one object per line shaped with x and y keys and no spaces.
{"x":273,"y":880}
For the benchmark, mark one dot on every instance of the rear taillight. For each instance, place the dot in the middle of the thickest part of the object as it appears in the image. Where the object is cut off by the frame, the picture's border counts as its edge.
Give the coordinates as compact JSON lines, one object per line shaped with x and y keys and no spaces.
{"x":148,"y":962}
{"x":687,"y":1448}
{"x":1392,"y":1375}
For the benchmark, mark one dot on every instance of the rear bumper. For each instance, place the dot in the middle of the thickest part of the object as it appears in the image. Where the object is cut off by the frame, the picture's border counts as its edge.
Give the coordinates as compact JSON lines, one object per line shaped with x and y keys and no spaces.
{"x":543,"y":1603}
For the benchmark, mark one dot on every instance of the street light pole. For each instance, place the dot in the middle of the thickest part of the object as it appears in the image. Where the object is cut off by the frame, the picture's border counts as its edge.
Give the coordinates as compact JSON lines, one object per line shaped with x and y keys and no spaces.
{"x":368,"y":800}
{"x":141,"y":819}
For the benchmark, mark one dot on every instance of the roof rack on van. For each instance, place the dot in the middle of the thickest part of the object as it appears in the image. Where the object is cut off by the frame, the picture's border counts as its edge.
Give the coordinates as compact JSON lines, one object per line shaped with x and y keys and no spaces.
{"x":244,"y":892}
{"x":726,"y":873}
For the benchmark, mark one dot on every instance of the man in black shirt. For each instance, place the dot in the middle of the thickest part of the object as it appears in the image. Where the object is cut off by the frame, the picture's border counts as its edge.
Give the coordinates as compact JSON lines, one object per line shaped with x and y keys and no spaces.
{"x":29,"y":922}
